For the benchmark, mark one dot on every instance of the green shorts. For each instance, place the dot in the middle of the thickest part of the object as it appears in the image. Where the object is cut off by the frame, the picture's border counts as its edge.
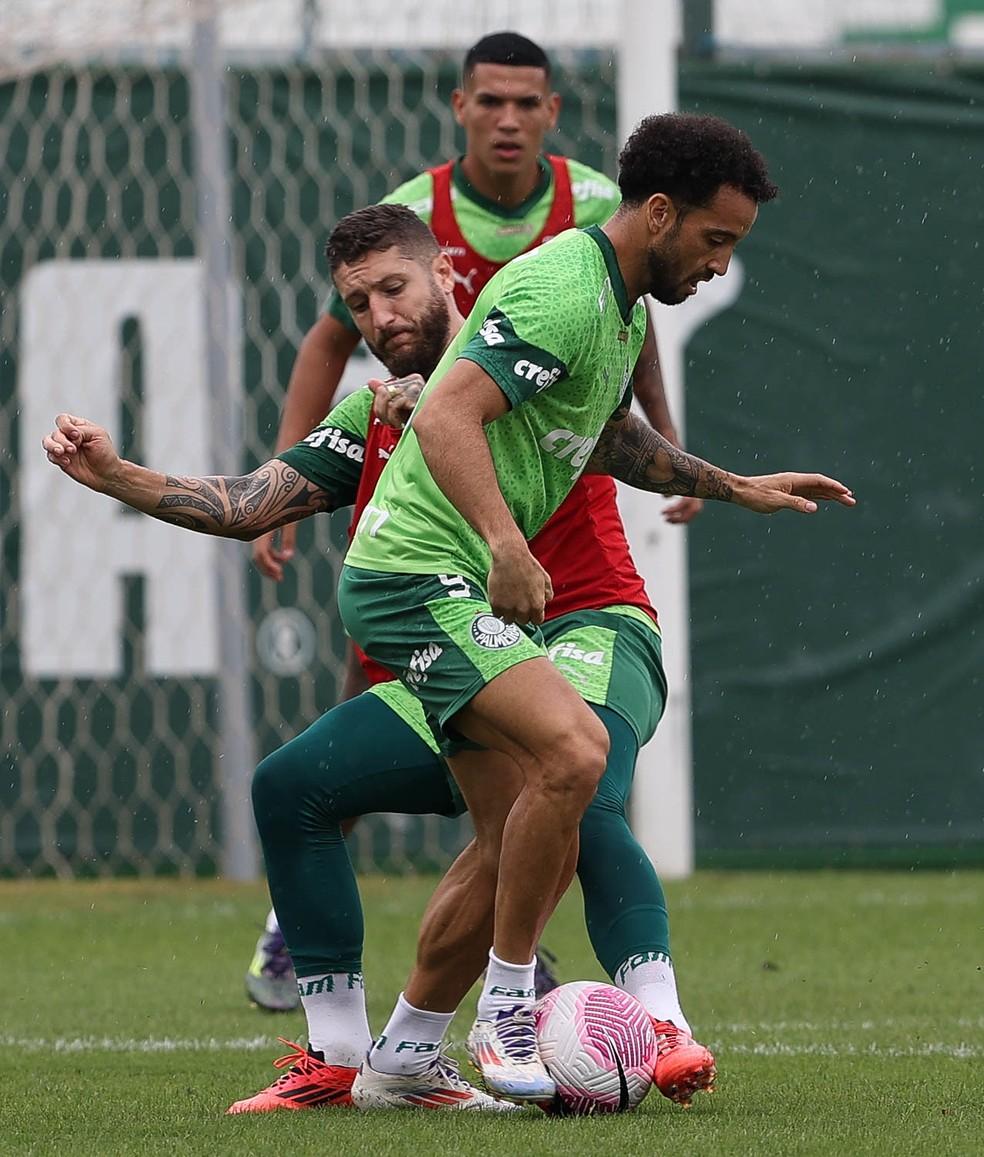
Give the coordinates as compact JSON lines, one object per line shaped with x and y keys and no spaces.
{"x":613,"y":658}
{"x":436,"y":633}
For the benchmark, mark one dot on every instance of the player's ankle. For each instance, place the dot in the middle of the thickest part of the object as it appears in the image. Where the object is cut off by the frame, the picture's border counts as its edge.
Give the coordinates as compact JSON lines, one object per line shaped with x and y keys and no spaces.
{"x":411,"y":1041}
{"x":506,"y":985}
{"x":650,"y":978}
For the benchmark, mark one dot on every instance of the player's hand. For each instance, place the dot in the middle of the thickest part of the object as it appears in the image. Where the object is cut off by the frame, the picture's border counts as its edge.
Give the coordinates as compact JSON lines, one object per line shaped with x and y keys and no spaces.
{"x":394,"y":399}
{"x":683,"y":510}
{"x":83,"y":451}
{"x":519,"y":588}
{"x":273,"y":549}
{"x":768,"y":493}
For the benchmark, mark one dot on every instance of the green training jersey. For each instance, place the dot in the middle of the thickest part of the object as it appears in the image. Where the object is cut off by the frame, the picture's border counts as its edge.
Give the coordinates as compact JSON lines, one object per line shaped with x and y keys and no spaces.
{"x":554,"y":329}
{"x":501,"y":234}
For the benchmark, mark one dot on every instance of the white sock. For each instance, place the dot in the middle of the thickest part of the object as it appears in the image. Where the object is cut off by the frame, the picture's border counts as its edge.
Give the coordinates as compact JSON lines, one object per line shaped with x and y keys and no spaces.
{"x":411,"y":1040}
{"x":335,"y":1007}
{"x":506,"y":985}
{"x":649,"y":977}
{"x":271,"y":923}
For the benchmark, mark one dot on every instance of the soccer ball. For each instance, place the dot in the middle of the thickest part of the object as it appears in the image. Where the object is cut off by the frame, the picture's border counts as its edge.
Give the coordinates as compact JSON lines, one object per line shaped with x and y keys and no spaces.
{"x":598,"y":1045}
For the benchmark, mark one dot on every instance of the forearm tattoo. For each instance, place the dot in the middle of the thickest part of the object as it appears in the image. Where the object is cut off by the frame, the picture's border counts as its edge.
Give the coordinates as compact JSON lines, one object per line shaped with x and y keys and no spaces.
{"x":245,"y":507}
{"x":636,"y":454}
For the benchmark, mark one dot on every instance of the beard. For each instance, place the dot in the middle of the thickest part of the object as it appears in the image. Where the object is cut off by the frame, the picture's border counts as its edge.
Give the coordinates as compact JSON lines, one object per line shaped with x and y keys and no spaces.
{"x":428,"y":341}
{"x":666,"y":281}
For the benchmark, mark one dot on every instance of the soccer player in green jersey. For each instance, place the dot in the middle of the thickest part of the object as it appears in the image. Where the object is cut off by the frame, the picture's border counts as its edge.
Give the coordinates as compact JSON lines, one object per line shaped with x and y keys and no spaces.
{"x":499,"y":199}
{"x":533,"y":391}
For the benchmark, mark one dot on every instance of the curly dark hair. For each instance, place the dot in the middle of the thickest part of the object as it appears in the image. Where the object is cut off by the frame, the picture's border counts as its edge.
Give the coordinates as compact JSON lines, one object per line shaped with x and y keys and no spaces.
{"x":689,"y":157}
{"x":377,"y":228}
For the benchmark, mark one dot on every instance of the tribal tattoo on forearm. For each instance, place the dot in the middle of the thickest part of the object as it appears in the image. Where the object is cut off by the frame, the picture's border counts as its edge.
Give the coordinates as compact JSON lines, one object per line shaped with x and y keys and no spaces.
{"x":636,"y":454}
{"x":245,"y":507}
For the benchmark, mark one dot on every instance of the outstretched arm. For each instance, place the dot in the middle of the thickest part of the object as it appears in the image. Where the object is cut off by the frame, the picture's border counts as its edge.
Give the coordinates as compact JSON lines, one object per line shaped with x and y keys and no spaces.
{"x":639,"y":456}
{"x":232,"y":507}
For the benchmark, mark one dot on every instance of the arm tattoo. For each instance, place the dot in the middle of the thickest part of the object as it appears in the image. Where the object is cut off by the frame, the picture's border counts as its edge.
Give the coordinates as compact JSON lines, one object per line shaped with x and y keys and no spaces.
{"x":245,"y":507}
{"x":636,"y":454}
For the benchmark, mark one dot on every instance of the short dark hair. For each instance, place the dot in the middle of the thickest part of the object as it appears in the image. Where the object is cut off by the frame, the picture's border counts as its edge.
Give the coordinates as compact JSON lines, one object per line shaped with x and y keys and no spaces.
{"x":507,"y":48}
{"x":689,"y":157}
{"x":377,"y":228}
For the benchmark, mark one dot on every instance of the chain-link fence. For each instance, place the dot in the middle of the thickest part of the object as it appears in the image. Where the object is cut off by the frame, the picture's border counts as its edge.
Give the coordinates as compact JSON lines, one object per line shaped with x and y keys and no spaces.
{"x":110,"y":760}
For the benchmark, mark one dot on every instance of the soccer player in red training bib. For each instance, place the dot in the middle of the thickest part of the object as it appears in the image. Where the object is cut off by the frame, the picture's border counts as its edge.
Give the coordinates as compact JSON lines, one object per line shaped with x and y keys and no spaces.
{"x":602,"y":631}
{"x":503,"y":197}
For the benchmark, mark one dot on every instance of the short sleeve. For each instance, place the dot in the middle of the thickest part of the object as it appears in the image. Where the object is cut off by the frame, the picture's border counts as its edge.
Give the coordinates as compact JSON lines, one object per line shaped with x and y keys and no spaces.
{"x":520,"y":368}
{"x":537,"y":329}
{"x":332,"y":455}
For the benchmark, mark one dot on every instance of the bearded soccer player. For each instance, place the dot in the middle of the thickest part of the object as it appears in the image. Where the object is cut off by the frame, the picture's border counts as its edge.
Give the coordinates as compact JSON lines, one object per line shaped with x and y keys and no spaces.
{"x":501,"y":198}
{"x":603,"y":632}
{"x":439,"y":584}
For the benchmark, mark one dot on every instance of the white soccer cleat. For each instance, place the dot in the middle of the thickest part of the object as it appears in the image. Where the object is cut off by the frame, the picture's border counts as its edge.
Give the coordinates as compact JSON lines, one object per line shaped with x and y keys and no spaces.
{"x":439,"y":1087}
{"x":504,"y":1049}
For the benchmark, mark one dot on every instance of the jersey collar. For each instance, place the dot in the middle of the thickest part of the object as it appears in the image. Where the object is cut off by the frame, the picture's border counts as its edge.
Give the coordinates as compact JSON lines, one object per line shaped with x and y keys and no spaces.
{"x":463,"y":186}
{"x":600,"y":237}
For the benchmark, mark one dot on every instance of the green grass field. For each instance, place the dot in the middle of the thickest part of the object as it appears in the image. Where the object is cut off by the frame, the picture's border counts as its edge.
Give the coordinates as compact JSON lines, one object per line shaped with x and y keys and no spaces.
{"x":846,"y":1011}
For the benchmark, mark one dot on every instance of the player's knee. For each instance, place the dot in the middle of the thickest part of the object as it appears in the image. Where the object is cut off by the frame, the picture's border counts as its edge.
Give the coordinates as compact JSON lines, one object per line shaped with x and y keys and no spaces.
{"x":576,"y":764}
{"x":267,"y":784}
{"x":277,"y":791}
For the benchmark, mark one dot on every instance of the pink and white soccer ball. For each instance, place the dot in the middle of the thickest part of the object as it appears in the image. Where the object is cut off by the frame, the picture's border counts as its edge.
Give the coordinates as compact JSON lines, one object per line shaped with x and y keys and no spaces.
{"x":598,"y":1045}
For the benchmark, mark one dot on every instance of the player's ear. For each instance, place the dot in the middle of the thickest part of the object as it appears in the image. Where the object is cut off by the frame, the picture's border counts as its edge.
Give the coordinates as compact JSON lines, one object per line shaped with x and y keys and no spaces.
{"x":443,"y":270}
{"x":660,"y":213}
{"x":457,"y":104}
{"x":553,"y":110}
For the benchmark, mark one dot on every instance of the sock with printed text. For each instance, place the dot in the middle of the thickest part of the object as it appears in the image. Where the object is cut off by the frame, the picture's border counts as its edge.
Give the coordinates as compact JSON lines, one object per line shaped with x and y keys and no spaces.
{"x":411,"y":1040}
{"x":335,"y":1006}
{"x":506,"y":985}
{"x":649,"y":977}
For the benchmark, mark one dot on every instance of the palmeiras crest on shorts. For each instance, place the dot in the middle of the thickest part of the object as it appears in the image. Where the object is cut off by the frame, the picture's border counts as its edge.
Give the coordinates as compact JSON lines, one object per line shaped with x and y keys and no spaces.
{"x":493,"y":634}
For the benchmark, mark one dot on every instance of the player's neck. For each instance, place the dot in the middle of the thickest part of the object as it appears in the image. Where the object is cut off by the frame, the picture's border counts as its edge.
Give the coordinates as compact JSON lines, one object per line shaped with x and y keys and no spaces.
{"x":508,"y":190}
{"x":630,"y":255}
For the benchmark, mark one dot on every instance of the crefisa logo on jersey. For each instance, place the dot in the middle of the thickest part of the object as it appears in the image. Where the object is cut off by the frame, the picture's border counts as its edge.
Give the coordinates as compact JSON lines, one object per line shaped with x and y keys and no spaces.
{"x":337,"y":440}
{"x":538,"y":375}
{"x":493,"y":634}
{"x":490,"y":332}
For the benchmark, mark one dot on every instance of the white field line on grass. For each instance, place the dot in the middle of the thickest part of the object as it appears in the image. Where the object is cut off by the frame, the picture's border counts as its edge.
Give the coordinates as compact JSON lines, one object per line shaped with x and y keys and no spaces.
{"x":107,"y":1044}
{"x":957,"y":1050}
{"x":908,"y":1024}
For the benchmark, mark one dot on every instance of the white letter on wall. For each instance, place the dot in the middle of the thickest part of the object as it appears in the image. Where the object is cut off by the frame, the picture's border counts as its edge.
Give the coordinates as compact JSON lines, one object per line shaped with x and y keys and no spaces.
{"x":77,"y":545}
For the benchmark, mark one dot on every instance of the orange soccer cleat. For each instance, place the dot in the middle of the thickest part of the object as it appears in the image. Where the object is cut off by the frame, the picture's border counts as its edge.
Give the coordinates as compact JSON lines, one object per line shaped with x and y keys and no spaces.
{"x":309,"y":1083}
{"x":683,"y":1067}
